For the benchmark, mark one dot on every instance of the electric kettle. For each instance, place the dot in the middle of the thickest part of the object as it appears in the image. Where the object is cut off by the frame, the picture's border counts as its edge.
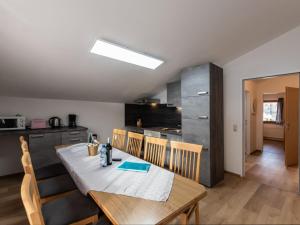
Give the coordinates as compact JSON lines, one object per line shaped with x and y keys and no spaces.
{"x":55,"y":122}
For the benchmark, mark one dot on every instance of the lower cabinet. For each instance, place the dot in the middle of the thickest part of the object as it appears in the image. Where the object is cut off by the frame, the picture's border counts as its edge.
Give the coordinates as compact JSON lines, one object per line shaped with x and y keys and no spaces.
{"x":42,"y":145}
{"x":42,"y":150}
{"x":10,"y":154}
{"x":74,"y":137}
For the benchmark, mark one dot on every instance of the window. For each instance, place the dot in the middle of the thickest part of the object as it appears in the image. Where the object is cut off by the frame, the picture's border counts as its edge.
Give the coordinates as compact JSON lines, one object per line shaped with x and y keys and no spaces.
{"x":270,"y":111}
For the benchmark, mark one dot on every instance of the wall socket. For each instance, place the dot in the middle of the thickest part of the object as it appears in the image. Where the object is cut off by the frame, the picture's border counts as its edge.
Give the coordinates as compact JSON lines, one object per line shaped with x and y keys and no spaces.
{"x":235,"y":128}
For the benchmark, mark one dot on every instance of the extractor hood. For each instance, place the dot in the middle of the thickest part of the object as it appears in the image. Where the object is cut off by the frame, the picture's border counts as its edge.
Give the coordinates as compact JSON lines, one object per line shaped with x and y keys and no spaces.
{"x":146,"y":100}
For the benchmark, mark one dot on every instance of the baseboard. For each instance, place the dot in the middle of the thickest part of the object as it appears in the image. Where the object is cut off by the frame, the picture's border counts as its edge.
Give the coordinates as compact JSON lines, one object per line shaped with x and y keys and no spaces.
{"x":235,"y":174}
{"x":274,"y":139}
{"x":256,"y":150}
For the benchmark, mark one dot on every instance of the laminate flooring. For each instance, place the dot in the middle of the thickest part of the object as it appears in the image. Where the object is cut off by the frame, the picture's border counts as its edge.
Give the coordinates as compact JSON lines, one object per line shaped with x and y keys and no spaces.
{"x":268,"y":167}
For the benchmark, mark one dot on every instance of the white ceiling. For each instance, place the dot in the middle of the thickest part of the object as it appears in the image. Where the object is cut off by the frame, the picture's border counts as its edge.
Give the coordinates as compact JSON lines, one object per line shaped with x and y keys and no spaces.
{"x":44,"y":45}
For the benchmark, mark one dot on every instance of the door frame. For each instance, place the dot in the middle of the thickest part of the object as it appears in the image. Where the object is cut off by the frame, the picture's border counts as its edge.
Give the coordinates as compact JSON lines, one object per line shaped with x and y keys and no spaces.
{"x":244,"y":127}
{"x":247,"y":117}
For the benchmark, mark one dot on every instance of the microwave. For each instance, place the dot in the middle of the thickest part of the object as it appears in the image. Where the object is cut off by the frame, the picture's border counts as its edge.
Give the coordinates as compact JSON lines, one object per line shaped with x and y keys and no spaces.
{"x":12,"y":123}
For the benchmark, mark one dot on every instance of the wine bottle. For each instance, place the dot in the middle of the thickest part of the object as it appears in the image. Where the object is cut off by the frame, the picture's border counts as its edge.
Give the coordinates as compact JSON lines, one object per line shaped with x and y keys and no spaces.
{"x":91,"y":139}
{"x":108,"y":152}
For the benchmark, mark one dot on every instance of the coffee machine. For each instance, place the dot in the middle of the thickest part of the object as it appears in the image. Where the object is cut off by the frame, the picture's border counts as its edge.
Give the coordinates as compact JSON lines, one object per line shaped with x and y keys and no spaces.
{"x":72,"y":120}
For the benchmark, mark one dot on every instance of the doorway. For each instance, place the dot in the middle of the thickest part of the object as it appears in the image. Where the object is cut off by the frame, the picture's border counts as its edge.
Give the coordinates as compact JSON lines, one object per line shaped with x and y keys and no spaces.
{"x":270,"y":131}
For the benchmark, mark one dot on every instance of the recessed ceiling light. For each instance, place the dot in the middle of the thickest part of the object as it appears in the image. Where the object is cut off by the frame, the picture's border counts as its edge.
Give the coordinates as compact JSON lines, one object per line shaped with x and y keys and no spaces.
{"x":120,"y":53}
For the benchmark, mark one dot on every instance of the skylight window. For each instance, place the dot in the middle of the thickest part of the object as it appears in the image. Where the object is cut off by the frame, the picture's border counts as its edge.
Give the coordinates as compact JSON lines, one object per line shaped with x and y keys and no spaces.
{"x":122,"y":54}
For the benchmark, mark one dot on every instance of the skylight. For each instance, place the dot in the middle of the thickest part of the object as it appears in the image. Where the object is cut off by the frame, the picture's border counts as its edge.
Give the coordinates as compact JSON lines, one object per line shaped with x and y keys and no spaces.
{"x":122,"y":54}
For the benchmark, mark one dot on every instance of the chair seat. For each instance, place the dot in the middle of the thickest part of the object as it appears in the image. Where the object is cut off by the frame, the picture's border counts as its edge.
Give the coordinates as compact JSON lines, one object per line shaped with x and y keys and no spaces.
{"x":69,"y":209}
{"x":56,"y":185}
{"x":50,"y":171}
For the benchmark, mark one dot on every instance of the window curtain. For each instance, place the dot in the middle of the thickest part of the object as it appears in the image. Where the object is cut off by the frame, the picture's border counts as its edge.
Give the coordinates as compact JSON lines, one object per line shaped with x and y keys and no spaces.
{"x":279,"y":115}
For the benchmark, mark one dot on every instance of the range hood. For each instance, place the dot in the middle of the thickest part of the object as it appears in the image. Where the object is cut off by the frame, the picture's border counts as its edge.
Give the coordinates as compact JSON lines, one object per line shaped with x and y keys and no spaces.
{"x":146,"y":100}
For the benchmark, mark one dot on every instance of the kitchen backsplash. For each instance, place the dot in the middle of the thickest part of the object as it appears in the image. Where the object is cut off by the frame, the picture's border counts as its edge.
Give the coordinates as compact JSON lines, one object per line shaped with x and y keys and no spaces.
{"x":152,"y":116}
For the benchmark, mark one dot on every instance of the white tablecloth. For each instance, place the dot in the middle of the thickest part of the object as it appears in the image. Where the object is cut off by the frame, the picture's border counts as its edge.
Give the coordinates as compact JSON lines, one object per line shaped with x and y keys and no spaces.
{"x":89,"y":175}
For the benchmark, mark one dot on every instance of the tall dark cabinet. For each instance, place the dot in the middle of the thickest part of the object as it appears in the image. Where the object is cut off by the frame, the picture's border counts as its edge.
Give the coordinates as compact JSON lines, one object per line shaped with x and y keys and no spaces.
{"x":202,"y":118}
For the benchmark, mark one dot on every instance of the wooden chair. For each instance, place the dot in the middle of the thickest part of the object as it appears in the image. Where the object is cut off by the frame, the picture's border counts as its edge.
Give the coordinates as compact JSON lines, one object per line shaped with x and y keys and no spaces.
{"x":134,"y":144}
{"x":118,"y":139}
{"x":185,"y":160}
{"x":60,"y":211}
{"x":24,"y":144}
{"x":155,"y":150}
{"x":51,"y":188}
{"x":46,"y":172}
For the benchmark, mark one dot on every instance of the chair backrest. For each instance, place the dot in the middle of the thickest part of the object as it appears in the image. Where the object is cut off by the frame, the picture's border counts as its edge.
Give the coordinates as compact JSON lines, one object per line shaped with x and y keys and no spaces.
{"x":185,"y":159}
{"x":24,"y":144}
{"x":134,"y":144}
{"x":21,"y":139}
{"x":155,"y":150}
{"x":118,"y":139}
{"x":28,"y":169}
{"x":31,"y":201}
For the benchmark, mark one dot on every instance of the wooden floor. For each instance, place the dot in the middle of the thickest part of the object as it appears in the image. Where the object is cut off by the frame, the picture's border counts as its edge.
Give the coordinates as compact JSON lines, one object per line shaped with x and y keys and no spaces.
{"x":250,"y":200}
{"x":268,"y":167}
{"x":11,"y":207}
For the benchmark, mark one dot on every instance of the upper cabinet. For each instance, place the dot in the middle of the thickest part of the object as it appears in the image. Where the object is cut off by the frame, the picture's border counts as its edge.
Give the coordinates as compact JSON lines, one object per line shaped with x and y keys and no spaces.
{"x":174,"y":94}
{"x":196,"y":81}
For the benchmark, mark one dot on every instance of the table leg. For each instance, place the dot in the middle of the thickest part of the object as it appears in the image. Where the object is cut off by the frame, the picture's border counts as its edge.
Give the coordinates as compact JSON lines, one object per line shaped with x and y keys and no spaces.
{"x":197,"y":215}
{"x":184,"y":219}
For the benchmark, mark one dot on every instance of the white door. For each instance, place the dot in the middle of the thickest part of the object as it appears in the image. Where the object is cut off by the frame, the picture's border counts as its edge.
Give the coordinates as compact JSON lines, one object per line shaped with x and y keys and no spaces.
{"x":291,"y":126}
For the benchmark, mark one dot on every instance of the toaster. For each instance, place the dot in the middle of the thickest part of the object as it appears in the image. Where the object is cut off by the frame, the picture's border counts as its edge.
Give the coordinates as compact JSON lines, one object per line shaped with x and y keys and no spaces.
{"x":38,"y":123}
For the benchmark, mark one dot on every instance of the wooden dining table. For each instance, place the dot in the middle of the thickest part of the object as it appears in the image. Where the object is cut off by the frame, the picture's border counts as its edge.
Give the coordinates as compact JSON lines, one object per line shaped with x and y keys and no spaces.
{"x":121,"y":209}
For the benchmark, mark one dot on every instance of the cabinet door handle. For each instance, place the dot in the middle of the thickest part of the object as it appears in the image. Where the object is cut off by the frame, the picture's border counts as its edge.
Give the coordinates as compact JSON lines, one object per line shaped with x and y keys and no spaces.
{"x":37,"y":136}
{"x":202,"y":117}
{"x":75,"y":139}
{"x":202,"y":92}
{"x":74,"y":132}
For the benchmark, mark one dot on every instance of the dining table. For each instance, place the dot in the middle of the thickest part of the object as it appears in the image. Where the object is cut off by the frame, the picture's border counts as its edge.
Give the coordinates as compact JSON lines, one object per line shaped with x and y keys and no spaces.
{"x":123,"y":209}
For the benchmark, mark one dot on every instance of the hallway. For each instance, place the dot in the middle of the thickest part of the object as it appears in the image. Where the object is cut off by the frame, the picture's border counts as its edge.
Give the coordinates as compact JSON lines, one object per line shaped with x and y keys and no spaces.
{"x":268,"y":167}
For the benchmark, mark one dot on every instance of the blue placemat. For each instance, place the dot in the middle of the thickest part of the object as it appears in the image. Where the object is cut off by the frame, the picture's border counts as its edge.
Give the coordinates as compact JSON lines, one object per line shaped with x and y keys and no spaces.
{"x":135,"y":166}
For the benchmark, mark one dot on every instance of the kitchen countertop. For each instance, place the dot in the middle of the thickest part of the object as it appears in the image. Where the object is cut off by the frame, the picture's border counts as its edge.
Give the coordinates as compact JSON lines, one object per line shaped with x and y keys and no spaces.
{"x":28,"y":131}
{"x":158,"y":129}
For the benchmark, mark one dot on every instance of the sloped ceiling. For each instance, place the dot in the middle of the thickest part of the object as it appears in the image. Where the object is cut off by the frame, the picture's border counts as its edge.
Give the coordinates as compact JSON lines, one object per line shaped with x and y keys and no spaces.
{"x":44,"y":45}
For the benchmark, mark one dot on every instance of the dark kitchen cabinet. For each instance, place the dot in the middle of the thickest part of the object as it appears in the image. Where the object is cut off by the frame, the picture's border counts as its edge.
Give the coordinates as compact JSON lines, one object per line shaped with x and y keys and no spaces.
{"x":41,"y":143}
{"x":202,"y":118}
{"x":10,"y":154}
{"x":174,"y":94}
{"x":41,"y":148}
{"x":74,"y":137}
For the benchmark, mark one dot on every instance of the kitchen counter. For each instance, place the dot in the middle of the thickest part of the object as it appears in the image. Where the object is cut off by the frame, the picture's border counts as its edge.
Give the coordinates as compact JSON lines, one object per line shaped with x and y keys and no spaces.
{"x":28,"y":131}
{"x":162,"y":130}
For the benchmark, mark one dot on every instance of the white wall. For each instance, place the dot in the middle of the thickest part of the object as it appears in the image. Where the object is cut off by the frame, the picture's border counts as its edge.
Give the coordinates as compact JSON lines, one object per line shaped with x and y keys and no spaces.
{"x":274,"y":131}
{"x":99,"y":117}
{"x":279,"y":56}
